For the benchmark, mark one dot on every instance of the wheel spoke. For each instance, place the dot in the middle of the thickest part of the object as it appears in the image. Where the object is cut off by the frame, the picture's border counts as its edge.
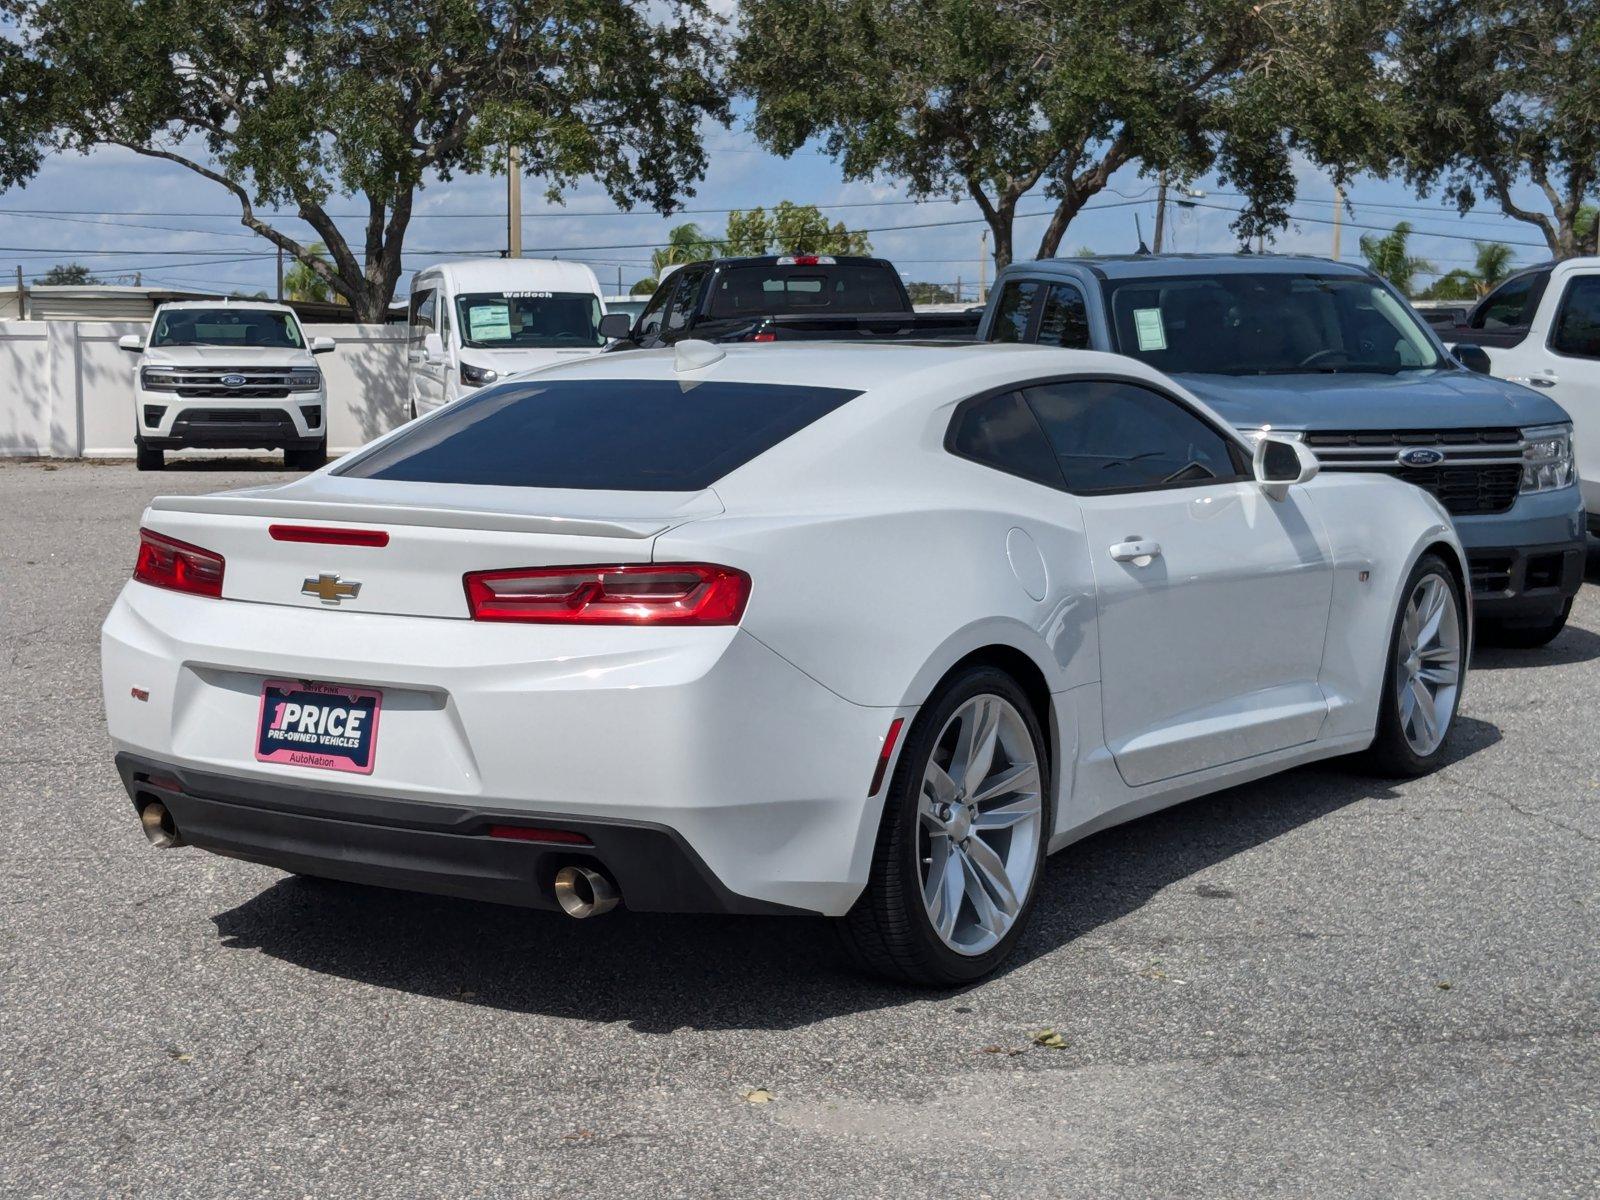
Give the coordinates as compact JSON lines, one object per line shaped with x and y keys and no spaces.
{"x":945,"y":886}
{"x":975,"y":746}
{"x":1424,"y":710}
{"x":1004,"y":816}
{"x":989,"y":916}
{"x":1439,"y":675}
{"x":990,"y":869}
{"x":936,"y":779}
{"x":1016,"y":778}
{"x":928,"y":813}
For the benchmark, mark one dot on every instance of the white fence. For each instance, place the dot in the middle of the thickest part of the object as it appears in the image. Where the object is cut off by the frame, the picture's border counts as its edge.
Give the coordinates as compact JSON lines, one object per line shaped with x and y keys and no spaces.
{"x":66,"y":388}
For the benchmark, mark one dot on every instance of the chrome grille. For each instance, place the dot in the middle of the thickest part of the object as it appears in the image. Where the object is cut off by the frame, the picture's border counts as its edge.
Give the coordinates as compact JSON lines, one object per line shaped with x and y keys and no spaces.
{"x":205,"y":383}
{"x":1481,"y":470}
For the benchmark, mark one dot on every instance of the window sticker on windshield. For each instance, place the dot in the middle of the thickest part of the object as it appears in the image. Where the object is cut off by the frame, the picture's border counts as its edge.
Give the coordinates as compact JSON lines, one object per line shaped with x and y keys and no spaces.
{"x":490,"y":322}
{"x":1147,"y":324}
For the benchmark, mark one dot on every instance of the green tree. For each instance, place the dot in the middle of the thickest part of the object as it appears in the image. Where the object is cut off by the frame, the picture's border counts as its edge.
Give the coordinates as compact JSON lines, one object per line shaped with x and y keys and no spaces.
{"x":1482,"y":94}
{"x":1460,"y":284}
{"x":790,"y":229}
{"x":748,"y":233}
{"x":995,"y":100}
{"x":645,"y":287}
{"x":292,"y":105}
{"x":1492,"y":265}
{"x":300,"y":282}
{"x":67,"y":274}
{"x":931,"y":293}
{"x":1389,"y":256}
{"x":685,"y":244}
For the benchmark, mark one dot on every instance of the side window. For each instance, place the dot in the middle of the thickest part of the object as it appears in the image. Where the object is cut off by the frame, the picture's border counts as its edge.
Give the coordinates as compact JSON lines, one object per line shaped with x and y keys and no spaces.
{"x":684,"y":302}
{"x":1000,"y":432}
{"x":422,"y":308}
{"x":444,"y":319}
{"x":1013,"y":310}
{"x":1065,"y":319}
{"x":649,"y":321}
{"x":1507,"y":307}
{"x":1108,"y":435}
{"x":1577,"y":330}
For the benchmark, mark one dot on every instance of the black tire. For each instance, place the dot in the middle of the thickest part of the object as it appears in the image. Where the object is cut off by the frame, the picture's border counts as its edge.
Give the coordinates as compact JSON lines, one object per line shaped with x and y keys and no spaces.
{"x":307,"y":460}
{"x":888,"y":932}
{"x":1524,"y":635}
{"x":148,"y":458}
{"x":1391,"y":754}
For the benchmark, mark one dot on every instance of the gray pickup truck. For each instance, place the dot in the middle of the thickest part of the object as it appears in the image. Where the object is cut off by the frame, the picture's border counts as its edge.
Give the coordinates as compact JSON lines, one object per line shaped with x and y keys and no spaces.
{"x":1331,"y":354}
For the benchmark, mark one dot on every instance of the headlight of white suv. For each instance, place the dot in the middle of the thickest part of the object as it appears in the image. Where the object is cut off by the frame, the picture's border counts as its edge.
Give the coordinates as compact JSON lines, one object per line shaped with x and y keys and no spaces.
{"x":1547,"y":458}
{"x":305,"y":379}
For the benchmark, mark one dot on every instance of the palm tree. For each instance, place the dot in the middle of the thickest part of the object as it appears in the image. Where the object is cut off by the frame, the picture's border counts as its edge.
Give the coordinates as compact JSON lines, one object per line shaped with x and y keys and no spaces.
{"x":1387,"y":256}
{"x":1493,"y":265}
{"x":685,"y":244}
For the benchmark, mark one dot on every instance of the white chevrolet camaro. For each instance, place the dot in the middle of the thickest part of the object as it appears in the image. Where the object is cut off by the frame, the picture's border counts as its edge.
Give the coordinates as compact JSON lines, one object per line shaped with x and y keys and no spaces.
{"x":861,"y":631}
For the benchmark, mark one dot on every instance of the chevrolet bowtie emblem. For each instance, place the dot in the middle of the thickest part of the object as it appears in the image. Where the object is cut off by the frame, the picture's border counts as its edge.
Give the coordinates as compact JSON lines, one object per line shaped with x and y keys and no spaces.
{"x":330,"y":589}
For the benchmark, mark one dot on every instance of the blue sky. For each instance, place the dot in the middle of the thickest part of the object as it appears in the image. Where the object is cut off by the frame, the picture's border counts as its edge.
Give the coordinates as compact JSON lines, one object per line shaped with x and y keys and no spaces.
{"x":113,"y":200}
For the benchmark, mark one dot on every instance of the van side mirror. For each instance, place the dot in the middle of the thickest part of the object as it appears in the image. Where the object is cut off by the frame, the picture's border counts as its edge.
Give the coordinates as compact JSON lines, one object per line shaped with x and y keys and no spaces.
{"x":433,"y":347}
{"x":1473,"y":358}
{"x":132,"y":342}
{"x":616,"y":326}
{"x":323,"y":345}
{"x":1282,"y":462}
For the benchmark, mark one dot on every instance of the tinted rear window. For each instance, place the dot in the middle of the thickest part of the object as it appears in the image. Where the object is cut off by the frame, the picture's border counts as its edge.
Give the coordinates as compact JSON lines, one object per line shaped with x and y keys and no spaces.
{"x":648,"y":435}
{"x":817,"y":290}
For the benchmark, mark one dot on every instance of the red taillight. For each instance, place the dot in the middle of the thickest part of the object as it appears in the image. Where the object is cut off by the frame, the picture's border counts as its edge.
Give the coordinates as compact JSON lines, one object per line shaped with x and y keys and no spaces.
{"x":168,"y":563}
{"x":528,"y":833}
{"x":764,"y":337}
{"x":327,"y":536}
{"x":643,"y":594}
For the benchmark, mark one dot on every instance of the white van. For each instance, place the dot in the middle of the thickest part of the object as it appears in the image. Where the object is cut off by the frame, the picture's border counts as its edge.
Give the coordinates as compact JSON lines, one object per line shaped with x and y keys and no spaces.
{"x":479,"y":320}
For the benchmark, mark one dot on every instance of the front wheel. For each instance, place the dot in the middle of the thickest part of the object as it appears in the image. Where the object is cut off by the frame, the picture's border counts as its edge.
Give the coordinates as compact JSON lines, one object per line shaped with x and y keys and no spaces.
{"x":962,"y":838}
{"x":306,"y":460}
{"x":148,"y":458}
{"x":1426,"y":668}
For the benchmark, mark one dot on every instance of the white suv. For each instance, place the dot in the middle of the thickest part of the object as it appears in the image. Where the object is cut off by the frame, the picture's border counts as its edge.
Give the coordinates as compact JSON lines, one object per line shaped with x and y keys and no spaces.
{"x":225,"y":374}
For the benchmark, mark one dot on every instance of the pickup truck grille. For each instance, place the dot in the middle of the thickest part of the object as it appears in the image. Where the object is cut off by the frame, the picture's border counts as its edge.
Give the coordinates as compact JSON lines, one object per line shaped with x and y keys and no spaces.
{"x":205,"y":383}
{"x":1480,"y":472}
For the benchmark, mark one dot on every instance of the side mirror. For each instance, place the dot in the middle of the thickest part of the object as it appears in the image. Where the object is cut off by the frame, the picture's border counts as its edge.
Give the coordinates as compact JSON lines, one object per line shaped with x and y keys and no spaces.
{"x":323,"y":345}
{"x":433,"y":347}
{"x":132,"y":342}
{"x":1280,"y":463}
{"x":616,"y":326}
{"x":1473,"y":358}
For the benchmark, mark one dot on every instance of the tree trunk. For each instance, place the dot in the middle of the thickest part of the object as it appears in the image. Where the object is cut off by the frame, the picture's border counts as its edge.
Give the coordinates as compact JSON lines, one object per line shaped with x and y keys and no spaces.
{"x":1001,"y":215}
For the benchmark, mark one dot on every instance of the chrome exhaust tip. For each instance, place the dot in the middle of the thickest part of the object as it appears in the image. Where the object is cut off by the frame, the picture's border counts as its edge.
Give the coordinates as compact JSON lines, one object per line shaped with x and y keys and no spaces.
{"x":159,"y":826}
{"x":584,"y":892}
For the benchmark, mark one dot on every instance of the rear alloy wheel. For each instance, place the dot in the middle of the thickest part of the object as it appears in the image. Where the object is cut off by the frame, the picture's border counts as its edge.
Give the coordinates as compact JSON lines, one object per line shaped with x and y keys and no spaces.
{"x":1427,"y":665}
{"x":962,"y":839}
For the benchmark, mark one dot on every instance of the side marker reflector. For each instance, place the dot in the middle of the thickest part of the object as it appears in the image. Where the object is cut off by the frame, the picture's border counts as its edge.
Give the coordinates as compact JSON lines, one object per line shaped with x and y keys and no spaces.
{"x":528,"y":833}
{"x":884,"y":755}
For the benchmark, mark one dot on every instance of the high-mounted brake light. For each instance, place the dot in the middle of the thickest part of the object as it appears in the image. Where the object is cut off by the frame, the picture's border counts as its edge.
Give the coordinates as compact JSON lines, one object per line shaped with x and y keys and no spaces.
{"x":323,"y":535}
{"x":630,"y":594}
{"x":807,"y":260}
{"x":168,"y":563}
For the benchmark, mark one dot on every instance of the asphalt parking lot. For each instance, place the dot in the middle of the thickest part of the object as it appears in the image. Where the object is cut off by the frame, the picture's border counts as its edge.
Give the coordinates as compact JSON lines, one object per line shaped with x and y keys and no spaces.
{"x":1320,"y":984}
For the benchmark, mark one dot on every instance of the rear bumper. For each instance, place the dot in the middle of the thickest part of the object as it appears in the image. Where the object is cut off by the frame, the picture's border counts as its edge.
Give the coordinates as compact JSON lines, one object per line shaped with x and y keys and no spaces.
{"x":443,"y":849}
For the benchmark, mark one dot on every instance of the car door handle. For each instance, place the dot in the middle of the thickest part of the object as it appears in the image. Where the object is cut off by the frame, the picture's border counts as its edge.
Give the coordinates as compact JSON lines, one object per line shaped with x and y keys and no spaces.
{"x":1539,"y":381}
{"x":1135,"y":549}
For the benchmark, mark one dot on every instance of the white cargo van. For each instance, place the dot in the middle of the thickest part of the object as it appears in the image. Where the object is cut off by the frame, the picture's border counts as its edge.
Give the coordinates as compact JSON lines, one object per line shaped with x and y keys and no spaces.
{"x":479,"y":320}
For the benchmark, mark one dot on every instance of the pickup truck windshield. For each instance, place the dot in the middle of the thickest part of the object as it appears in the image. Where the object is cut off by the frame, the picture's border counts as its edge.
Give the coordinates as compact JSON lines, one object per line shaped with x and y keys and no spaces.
{"x":227,"y":327}
{"x":823,"y":290}
{"x":1267,"y":324}
{"x":529,"y":320}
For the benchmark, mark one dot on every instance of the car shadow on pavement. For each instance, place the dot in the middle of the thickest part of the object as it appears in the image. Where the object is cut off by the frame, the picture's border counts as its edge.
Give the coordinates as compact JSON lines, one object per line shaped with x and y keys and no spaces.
{"x":1573,"y":644}
{"x":661,"y":973}
{"x":199,"y":466}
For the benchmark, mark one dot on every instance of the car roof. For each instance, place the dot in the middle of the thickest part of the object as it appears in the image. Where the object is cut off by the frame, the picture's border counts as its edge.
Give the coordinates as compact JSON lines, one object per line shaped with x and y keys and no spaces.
{"x":489,"y":274}
{"x":1145,"y":266}
{"x":226,"y":302}
{"x":860,"y":367}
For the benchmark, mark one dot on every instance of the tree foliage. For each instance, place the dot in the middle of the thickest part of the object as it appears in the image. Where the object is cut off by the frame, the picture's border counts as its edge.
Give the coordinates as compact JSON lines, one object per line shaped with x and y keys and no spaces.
{"x":1481,"y":93}
{"x":1390,"y":257}
{"x":300,"y":282}
{"x":67,"y":275}
{"x":790,"y":228}
{"x":293,"y":103}
{"x":995,"y":100}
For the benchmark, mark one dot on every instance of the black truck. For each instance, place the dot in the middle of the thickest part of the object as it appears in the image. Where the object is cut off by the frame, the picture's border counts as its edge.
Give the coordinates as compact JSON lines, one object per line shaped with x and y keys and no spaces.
{"x":787,"y":297}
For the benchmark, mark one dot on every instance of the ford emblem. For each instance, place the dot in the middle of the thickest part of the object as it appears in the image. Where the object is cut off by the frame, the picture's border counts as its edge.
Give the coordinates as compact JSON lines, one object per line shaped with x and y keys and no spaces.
{"x":1421,"y":457}
{"x":233,"y":381}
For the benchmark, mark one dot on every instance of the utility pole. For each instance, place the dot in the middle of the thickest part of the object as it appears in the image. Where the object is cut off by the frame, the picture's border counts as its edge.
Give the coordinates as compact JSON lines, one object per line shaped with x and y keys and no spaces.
{"x":280,"y":274}
{"x":22,"y":295}
{"x":513,"y":203}
{"x":983,"y":265}
{"x":1161,"y":209}
{"x":958,"y":289}
{"x":1338,"y":218}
